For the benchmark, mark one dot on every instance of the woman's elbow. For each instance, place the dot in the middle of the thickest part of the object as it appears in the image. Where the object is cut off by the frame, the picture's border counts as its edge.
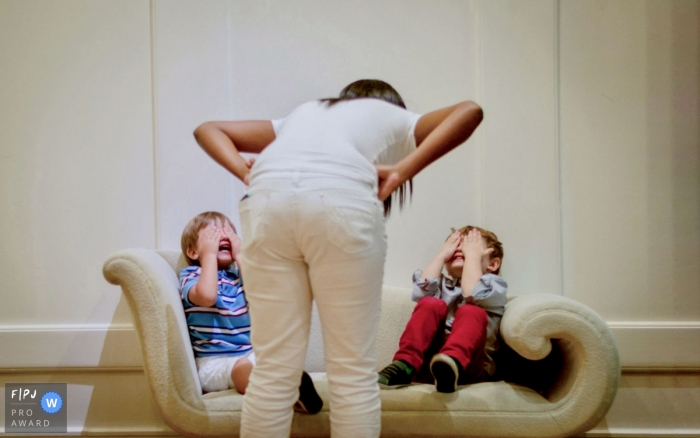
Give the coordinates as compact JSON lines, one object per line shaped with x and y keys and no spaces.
{"x":474,"y":110}
{"x":470,"y":116}
{"x":201,"y":130}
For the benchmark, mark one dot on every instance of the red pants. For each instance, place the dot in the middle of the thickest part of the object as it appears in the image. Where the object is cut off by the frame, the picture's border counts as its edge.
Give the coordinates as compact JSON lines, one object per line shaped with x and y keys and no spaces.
{"x":425,"y":336}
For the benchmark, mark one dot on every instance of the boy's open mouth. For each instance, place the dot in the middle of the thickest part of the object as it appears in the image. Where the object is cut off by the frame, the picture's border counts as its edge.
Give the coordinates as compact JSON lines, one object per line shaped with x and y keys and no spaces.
{"x":224,"y":246}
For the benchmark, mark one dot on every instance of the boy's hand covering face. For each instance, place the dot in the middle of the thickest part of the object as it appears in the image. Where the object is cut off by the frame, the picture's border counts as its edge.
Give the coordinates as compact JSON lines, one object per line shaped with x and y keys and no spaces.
{"x":234,"y":239}
{"x":474,"y":246}
{"x":208,"y":241}
{"x":450,"y":246}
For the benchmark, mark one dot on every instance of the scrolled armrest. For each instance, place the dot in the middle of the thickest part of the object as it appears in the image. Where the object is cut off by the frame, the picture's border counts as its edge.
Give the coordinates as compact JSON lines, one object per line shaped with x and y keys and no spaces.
{"x":150,"y":285}
{"x":590,"y":369}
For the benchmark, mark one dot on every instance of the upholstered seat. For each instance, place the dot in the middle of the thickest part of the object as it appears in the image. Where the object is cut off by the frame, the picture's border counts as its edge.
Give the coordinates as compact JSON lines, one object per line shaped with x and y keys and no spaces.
{"x":571,"y":389}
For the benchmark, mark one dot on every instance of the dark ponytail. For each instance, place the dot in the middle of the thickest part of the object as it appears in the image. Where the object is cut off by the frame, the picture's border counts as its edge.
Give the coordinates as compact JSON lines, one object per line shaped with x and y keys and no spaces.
{"x":374,"y":88}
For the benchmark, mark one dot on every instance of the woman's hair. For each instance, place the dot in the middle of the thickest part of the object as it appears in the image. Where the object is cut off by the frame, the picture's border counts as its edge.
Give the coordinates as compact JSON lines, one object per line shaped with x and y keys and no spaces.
{"x":374,"y":88}
{"x":368,"y":88}
{"x":190,"y":235}
{"x":491,"y":241}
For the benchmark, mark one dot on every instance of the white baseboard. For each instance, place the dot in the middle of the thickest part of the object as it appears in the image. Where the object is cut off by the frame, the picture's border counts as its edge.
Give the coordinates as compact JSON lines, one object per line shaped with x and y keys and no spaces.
{"x":112,"y":432}
{"x":643,"y":433}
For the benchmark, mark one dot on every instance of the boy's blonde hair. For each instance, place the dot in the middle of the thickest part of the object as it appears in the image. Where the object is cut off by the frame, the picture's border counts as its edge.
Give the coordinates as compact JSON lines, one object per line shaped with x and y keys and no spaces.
{"x":190,"y":235}
{"x":491,"y":242}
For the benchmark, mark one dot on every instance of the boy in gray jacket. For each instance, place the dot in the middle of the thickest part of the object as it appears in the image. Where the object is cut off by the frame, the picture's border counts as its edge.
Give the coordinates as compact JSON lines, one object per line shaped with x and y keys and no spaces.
{"x":453,"y":331}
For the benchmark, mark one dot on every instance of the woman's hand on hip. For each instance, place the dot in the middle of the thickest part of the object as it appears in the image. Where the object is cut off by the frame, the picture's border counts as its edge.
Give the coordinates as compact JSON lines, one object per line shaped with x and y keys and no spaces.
{"x":389,"y":179}
{"x":246,"y":178}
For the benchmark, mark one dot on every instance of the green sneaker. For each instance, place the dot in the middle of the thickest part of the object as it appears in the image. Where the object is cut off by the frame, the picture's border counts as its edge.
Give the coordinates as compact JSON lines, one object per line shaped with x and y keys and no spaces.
{"x":446,"y":373}
{"x":395,"y":375}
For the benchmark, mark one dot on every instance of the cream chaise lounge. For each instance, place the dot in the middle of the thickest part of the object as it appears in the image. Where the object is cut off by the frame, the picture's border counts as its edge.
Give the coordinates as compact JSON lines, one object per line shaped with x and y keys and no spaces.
{"x":574,"y":393}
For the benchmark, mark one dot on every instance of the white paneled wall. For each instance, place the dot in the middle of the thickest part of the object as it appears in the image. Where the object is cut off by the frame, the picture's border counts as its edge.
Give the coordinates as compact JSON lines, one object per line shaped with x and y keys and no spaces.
{"x":587,"y":164}
{"x":630,"y":136}
{"x":77,"y":149}
{"x":519,"y":160}
{"x":193,"y":71}
{"x":76,"y":172}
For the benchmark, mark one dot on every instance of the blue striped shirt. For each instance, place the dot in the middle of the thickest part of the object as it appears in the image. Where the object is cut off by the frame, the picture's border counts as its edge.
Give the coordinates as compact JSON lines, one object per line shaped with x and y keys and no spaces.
{"x":223,"y":329}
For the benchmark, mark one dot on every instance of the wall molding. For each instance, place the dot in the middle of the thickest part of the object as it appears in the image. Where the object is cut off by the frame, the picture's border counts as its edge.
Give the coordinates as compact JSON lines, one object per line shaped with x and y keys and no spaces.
{"x":557,"y":145}
{"x":658,"y":345}
{"x":154,"y":122}
{"x":70,"y":346}
{"x":654,"y":324}
{"x":479,"y":97}
{"x":73,"y":370}
{"x":645,"y":346}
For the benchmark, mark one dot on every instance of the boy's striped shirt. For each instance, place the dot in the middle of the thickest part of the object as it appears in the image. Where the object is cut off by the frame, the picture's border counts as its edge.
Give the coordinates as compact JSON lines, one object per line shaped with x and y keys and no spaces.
{"x":223,"y":329}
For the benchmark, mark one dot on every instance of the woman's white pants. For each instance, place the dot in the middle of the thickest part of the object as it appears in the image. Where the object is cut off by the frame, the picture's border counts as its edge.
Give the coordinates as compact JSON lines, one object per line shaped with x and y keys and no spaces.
{"x":312,"y":238}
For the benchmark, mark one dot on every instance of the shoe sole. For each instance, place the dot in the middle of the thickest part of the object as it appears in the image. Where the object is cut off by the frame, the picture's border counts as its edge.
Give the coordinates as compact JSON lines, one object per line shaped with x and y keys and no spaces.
{"x":309,"y":400}
{"x":445,"y":376}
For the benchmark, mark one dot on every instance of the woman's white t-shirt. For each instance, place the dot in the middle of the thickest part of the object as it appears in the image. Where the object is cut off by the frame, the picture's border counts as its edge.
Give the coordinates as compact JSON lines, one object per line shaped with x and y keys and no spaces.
{"x":344,"y":139}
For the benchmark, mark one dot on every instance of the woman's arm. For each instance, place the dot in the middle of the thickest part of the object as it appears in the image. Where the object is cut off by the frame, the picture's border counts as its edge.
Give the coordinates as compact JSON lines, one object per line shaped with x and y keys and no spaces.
{"x":224,"y":140}
{"x":436,"y":134}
